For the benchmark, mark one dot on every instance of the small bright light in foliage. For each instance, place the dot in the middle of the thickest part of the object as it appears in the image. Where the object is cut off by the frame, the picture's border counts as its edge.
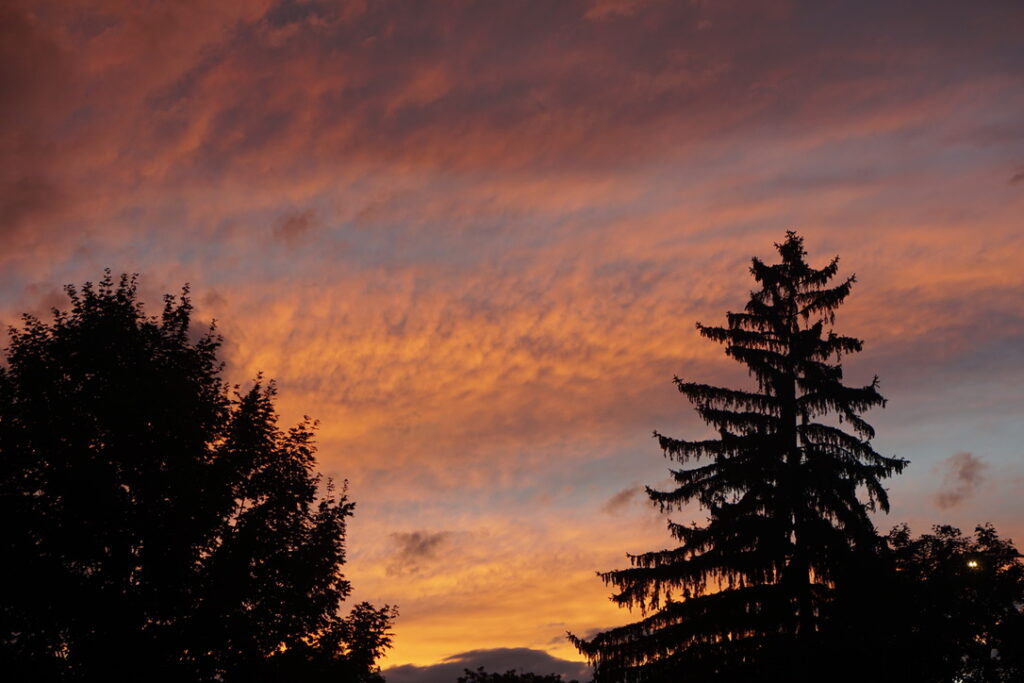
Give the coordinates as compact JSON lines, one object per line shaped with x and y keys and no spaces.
{"x":973,"y":564}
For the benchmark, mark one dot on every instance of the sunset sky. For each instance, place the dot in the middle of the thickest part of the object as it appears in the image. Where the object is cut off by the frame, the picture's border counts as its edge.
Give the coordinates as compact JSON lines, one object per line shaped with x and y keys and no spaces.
{"x":473,"y":239}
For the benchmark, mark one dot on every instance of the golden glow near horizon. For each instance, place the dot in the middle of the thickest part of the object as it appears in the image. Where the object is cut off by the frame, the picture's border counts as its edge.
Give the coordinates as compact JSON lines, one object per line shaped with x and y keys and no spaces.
{"x":474,"y":246}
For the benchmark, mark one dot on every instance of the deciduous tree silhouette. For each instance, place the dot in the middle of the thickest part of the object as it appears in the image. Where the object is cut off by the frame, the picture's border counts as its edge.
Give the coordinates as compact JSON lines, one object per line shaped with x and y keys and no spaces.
{"x":481,"y":676}
{"x":787,"y":486}
{"x":158,"y":526}
{"x":955,"y":610}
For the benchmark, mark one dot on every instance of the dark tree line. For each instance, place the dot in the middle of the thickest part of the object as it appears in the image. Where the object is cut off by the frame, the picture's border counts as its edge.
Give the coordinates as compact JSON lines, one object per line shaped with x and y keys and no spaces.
{"x":955,"y":606}
{"x":161,"y":525}
{"x":513,"y":676}
{"x":158,"y":524}
{"x":788,"y":579}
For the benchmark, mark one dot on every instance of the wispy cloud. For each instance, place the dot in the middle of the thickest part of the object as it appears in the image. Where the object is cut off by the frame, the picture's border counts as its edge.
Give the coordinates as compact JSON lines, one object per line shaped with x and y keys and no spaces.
{"x":963,"y":475}
{"x":414,"y":549}
{"x":622,"y":499}
{"x":473,"y":239}
{"x":292,"y":227}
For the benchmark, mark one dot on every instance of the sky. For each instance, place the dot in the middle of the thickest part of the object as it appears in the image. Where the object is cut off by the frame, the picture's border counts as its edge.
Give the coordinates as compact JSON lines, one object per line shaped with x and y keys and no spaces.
{"x":473,"y":239}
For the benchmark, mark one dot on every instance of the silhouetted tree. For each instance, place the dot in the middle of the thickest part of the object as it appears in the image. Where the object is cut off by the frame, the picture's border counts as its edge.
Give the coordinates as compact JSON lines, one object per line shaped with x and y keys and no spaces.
{"x":158,"y":526}
{"x":513,"y":676}
{"x":746,"y":595}
{"x":955,"y":610}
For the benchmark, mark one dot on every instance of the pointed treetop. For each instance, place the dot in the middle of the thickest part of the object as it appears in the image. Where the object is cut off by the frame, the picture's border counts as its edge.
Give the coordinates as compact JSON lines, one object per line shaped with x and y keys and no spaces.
{"x":792,"y":250}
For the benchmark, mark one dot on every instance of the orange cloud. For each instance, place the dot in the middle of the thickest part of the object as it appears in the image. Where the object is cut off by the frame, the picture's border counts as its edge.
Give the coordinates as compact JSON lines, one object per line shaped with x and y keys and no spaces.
{"x":473,"y":241}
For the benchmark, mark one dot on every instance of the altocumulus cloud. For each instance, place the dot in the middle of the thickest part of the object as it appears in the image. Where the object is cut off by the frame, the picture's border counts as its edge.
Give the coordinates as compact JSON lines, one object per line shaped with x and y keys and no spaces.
{"x":495,"y":660}
{"x":477,"y":240}
{"x":415,"y":549}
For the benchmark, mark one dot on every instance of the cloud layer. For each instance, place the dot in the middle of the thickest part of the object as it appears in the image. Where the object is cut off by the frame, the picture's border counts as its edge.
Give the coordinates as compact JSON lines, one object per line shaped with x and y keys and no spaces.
{"x":473,"y":239}
{"x":498,"y":660}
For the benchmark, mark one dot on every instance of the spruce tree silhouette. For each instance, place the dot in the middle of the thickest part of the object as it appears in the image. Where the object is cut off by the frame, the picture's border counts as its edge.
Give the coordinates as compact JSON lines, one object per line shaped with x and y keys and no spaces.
{"x":745,"y":597}
{"x":157,"y":525}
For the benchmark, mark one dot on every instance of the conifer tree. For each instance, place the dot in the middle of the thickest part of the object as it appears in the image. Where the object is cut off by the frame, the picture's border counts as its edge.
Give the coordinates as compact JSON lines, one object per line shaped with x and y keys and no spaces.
{"x":787,"y":486}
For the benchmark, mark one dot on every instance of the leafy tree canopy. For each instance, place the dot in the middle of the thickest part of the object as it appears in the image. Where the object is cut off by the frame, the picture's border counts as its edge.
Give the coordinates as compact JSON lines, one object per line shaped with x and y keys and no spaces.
{"x":166,"y":526}
{"x":956,"y":606}
{"x":512,"y":676}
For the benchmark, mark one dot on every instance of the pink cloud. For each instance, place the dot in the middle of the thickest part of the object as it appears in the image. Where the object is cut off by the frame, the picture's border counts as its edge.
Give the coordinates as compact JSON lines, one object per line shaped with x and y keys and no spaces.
{"x":474,"y":242}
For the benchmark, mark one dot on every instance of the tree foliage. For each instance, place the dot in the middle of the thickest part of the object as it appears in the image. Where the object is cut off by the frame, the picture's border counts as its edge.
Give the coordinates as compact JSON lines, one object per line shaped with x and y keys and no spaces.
{"x":512,"y":676}
{"x":787,"y":483}
{"x":166,"y":526}
{"x":956,"y":606}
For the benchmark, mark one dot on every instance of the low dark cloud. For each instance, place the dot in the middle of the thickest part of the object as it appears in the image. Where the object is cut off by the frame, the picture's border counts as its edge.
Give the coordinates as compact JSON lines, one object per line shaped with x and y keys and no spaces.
{"x":964,"y":473}
{"x":1017,"y":177}
{"x":622,"y":499}
{"x":500,"y":659}
{"x":415,"y":549}
{"x":292,"y":227}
